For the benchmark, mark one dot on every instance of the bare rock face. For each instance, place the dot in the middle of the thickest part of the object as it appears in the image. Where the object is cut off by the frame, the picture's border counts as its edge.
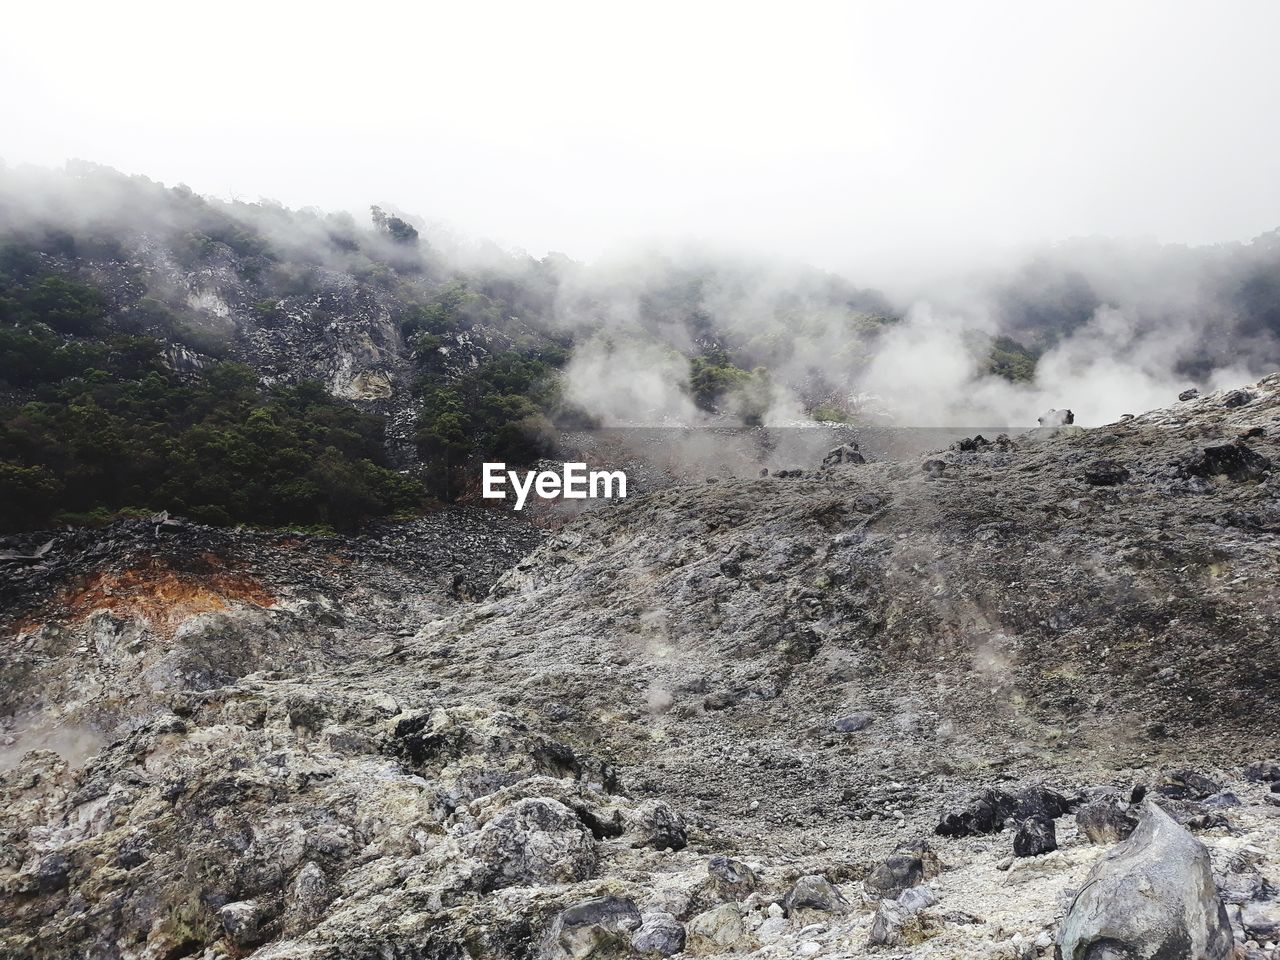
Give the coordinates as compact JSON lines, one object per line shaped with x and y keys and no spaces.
{"x":1149,"y":898}
{"x":315,"y":748}
{"x":534,"y":841}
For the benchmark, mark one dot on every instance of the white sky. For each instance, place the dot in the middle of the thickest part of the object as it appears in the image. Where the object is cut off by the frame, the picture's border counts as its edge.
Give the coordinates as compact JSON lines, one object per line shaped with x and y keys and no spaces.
{"x":871,"y":138}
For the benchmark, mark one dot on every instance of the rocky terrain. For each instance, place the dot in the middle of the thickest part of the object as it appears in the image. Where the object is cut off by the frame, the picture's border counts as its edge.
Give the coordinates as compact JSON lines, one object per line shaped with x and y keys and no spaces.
{"x":1008,"y":699}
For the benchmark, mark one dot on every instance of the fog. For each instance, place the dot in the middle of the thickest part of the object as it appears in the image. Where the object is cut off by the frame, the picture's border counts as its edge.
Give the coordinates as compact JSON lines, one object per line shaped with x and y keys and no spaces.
{"x":1092,"y":180}
{"x":888,"y":142}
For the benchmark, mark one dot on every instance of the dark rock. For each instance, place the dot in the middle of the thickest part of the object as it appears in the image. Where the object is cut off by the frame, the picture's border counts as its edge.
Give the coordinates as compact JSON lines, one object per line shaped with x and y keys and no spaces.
{"x":814,"y":892}
{"x":660,"y":934}
{"x":853,"y":723}
{"x":720,"y":700}
{"x":52,"y":872}
{"x":1237,"y":398}
{"x":1105,"y":473}
{"x":971,"y":444}
{"x":987,"y":812}
{"x":1261,"y":921}
{"x":1150,"y":897}
{"x":1035,"y":835}
{"x":934,"y":467}
{"x":1186,"y":785}
{"x":1262,"y":771}
{"x":1233,"y":460}
{"x":599,"y":927}
{"x":1106,"y":820}
{"x":1190,"y":394}
{"x":654,"y":824}
{"x":897,"y":873}
{"x":846,"y":453}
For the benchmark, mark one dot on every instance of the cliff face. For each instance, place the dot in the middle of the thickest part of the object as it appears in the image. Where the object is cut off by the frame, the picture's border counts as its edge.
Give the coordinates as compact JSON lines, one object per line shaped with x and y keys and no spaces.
{"x":659,"y":720}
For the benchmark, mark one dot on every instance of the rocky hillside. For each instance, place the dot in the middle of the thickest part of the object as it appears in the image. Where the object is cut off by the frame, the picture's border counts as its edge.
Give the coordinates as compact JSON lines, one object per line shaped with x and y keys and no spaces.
{"x":903,"y":708}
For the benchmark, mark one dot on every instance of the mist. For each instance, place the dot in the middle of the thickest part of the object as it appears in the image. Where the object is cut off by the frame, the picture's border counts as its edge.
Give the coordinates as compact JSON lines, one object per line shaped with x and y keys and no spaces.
{"x":888,"y":142}
{"x":866,"y":202}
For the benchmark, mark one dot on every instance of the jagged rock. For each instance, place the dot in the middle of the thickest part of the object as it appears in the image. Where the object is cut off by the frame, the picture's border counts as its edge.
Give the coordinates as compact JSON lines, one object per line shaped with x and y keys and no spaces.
{"x":1105,"y":473}
{"x":852,"y":723}
{"x":934,"y":468}
{"x":727,"y":880}
{"x":596,"y":928}
{"x":915,"y":899}
{"x":1189,"y":394}
{"x":1236,"y":461}
{"x":534,"y":841}
{"x":971,"y":444}
{"x":52,"y":872}
{"x":896,"y":924}
{"x":1236,"y":398}
{"x":1262,"y":771}
{"x":814,"y":892}
{"x":1106,"y":820}
{"x":986,"y":812}
{"x":846,"y":453}
{"x":242,"y":922}
{"x":1034,"y":836}
{"x":1187,"y":785}
{"x":660,"y":934}
{"x":1148,"y":898}
{"x":718,"y":929}
{"x":1261,"y":921}
{"x":652,"y":823}
{"x":898,"y":872}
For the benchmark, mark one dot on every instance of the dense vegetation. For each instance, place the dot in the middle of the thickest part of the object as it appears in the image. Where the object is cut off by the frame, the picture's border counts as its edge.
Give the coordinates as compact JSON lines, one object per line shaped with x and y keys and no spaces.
{"x":110,"y":427}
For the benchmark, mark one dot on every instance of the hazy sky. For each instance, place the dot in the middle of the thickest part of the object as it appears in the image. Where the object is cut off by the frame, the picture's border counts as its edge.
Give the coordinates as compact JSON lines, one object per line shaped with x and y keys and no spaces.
{"x":864,"y":137}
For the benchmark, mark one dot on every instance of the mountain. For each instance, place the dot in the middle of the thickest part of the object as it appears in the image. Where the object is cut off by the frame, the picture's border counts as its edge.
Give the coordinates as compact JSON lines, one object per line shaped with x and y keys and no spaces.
{"x":240,"y":362}
{"x":750,"y":714}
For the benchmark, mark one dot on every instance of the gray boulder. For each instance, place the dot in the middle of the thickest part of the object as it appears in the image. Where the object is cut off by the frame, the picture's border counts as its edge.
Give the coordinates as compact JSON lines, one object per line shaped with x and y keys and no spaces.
{"x":814,"y":892}
{"x":534,"y":841}
{"x":660,"y":934}
{"x":899,"y":924}
{"x":599,"y":927}
{"x":654,"y":824}
{"x":1106,"y":820}
{"x":898,"y":872}
{"x":1151,"y":897}
{"x":853,"y":723}
{"x":845,"y":453}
